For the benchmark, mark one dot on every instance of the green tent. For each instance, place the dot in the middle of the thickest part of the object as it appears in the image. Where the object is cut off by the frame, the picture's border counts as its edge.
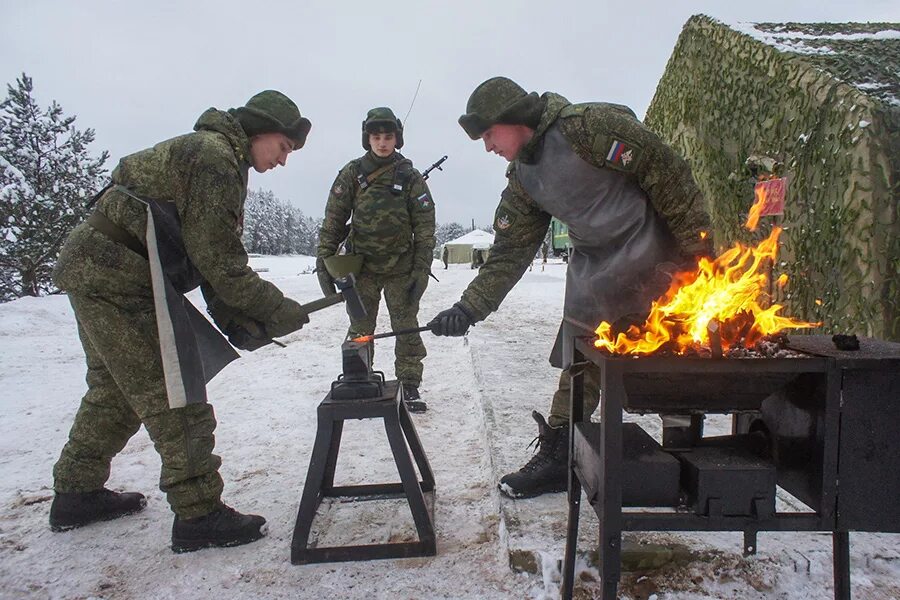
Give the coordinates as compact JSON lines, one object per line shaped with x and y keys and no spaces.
{"x":817,"y":104}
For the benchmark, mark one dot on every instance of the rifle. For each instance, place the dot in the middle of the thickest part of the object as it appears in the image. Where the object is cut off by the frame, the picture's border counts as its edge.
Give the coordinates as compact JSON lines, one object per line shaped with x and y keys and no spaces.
{"x":436,"y":165}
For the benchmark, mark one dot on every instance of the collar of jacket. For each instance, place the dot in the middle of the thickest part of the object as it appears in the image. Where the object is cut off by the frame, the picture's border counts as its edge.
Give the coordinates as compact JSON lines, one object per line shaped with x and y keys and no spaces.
{"x":553,"y":105}
{"x":371,"y":161}
{"x":222,"y":122}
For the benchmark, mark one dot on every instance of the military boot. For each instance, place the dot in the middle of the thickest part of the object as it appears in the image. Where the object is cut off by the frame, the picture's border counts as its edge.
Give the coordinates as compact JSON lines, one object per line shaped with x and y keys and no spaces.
{"x":411,"y":398}
{"x":76,"y":509}
{"x":222,"y":527}
{"x":547,"y":471}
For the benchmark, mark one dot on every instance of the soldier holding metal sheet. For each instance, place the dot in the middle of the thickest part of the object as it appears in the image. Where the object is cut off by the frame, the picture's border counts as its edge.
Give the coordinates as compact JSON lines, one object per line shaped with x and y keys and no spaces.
{"x":169,"y":222}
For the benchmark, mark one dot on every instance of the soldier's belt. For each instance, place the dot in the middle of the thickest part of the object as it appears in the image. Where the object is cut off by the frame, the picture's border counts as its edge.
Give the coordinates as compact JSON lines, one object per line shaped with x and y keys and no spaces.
{"x":102,"y":223}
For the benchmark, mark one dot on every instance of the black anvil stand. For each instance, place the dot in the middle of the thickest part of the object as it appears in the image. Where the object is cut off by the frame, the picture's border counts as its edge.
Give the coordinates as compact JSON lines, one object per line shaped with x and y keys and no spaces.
{"x":360,"y":393}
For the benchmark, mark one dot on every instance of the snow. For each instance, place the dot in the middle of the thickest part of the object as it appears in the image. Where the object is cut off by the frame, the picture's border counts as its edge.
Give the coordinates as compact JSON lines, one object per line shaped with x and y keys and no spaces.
{"x":475,"y":237}
{"x":787,"y":40}
{"x":476,"y":428}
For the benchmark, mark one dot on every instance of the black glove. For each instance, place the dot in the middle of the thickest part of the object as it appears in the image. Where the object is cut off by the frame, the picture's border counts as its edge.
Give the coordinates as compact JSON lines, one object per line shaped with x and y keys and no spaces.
{"x":247,"y":335}
{"x":418,"y":281}
{"x":454,"y":321}
{"x":326,"y":281}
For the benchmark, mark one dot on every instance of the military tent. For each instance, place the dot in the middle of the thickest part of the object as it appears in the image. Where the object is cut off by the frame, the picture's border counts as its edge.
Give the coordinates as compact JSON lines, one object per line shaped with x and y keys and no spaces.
{"x":817,"y":104}
{"x":461,"y":250}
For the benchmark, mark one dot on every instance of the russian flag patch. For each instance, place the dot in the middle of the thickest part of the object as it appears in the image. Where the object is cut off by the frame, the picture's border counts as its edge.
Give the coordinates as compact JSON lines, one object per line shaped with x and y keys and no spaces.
{"x":620,"y":154}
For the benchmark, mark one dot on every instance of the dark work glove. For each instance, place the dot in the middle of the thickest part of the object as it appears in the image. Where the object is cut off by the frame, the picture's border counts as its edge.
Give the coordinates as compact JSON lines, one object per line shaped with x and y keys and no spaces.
{"x":247,"y":335}
{"x":418,"y":282}
{"x":287,"y":318}
{"x":326,"y":281}
{"x":454,"y":321}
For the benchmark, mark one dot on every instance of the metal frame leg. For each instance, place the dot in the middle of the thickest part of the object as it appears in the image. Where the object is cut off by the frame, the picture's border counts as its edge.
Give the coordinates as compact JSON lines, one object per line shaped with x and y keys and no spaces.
{"x":410,"y":482}
{"x":315,"y":478}
{"x":841,"y":556}
{"x":576,"y":415}
{"x":418,"y":452}
{"x":612,"y":399}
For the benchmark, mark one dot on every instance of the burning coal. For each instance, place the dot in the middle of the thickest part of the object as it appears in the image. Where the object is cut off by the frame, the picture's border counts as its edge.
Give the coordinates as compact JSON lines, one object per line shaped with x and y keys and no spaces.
{"x":720,"y":305}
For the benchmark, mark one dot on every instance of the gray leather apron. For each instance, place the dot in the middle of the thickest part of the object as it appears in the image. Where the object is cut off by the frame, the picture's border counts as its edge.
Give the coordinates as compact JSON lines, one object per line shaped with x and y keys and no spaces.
{"x":617,"y":237}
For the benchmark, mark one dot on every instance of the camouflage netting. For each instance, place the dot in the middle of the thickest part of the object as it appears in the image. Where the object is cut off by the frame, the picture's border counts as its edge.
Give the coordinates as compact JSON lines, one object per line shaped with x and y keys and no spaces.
{"x":823,"y":101}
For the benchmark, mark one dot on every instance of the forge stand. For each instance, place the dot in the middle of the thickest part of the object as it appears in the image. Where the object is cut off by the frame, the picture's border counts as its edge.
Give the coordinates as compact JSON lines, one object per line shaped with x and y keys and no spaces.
{"x":332,"y":413}
{"x":822,"y":426}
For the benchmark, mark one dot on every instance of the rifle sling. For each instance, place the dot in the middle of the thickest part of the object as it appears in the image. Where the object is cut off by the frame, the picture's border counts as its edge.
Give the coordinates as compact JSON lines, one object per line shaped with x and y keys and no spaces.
{"x":377,"y":172}
{"x":101,"y":223}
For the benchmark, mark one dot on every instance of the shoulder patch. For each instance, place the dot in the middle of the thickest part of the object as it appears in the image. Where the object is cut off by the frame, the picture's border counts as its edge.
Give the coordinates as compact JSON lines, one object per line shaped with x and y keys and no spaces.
{"x":424,"y":201}
{"x":617,"y":153}
{"x":504,"y":220}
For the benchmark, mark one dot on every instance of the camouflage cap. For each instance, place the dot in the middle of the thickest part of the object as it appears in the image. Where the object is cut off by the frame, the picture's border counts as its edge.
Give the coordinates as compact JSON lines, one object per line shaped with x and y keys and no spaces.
{"x":271,"y":111}
{"x":500,"y":100}
{"x":381,"y":119}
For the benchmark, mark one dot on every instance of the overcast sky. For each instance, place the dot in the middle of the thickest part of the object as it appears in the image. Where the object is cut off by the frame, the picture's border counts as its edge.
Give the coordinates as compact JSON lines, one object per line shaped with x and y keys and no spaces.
{"x":142,"y":72}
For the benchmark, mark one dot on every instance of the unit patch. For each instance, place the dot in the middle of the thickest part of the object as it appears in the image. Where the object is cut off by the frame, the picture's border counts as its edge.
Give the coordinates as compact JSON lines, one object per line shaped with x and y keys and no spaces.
{"x":337,"y":190}
{"x":504,"y":221}
{"x":424,"y":201}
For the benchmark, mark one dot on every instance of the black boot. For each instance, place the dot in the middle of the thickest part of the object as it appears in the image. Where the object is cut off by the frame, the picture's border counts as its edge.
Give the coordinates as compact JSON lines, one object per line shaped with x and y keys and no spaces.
{"x":75,"y":509}
{"x":222,"y":527}
{"x":547,"y":471}
{"x":411,"y":398}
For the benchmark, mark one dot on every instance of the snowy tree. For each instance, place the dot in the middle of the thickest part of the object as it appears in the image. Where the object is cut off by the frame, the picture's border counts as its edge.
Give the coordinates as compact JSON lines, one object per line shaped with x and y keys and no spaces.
{"x":272,"y":226}
{"x":446,"y":232}
{"x":47,"y":177}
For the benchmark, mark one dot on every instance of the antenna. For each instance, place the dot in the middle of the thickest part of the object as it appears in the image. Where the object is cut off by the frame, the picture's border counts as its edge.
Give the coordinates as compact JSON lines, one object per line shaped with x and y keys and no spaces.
{"x":411,"y":104}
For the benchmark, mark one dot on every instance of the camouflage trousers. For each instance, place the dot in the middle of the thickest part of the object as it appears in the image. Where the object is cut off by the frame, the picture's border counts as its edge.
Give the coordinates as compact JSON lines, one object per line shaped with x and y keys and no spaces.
{"x":126,"y":389}
{"x":559,"y":409}
{"x":409,"y":350}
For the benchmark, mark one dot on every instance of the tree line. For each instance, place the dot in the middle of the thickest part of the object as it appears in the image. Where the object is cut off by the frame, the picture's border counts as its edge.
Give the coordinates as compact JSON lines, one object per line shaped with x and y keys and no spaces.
{"x":48,"y":177}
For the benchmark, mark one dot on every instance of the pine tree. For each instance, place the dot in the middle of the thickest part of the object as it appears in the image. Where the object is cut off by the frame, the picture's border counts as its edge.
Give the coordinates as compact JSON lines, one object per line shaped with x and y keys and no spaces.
{"x":272,"y":226}
{"x":47,"y":176}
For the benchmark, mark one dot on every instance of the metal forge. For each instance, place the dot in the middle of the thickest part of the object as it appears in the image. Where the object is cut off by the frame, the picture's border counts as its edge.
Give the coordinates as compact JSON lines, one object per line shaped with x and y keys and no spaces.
{"x":822,"y":426}
{"x":361,"y":393}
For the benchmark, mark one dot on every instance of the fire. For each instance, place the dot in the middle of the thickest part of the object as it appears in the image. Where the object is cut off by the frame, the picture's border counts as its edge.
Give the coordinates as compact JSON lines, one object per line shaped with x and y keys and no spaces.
{"x":725,"y":295}
{"x":756,"y":209}
{"x":363,"y":339}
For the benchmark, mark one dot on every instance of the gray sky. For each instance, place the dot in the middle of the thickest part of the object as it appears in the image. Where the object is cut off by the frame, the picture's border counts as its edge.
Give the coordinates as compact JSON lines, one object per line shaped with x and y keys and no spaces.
{"x":141,"y":72}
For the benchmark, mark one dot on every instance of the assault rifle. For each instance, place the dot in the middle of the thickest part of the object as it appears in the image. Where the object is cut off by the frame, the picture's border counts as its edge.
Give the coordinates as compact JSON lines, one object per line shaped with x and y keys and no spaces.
{"x":436,"y":165}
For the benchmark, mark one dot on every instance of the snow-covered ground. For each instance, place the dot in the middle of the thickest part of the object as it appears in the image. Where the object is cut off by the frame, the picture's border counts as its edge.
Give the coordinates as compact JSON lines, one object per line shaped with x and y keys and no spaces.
{"x":480,"y":391}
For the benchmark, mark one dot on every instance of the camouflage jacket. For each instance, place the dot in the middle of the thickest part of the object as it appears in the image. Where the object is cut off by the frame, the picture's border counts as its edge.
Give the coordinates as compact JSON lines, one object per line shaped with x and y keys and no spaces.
{"x":205,"y":175}
{"x":592,"y":129}
{"x":392,"y":229}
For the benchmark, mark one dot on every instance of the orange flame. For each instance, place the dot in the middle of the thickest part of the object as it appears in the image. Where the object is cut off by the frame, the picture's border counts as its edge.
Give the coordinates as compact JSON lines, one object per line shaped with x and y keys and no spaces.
{"x":782,"y":280}
{"x":726,"y":291}
{"x":756,"y":209}
{"x":363,"y":339}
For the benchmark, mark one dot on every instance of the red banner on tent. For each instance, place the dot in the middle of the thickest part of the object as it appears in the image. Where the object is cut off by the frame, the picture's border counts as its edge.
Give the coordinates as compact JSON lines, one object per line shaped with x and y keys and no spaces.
{"x":771,"y":193}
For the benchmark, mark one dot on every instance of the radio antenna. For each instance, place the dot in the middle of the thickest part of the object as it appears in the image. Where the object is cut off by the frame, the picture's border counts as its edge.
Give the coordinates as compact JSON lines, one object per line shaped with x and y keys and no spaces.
{"x":411,"y":104}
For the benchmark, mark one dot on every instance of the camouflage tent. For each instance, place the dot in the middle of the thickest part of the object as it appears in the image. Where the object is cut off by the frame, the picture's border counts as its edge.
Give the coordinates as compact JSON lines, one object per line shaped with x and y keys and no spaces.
{"x":818,"y":103}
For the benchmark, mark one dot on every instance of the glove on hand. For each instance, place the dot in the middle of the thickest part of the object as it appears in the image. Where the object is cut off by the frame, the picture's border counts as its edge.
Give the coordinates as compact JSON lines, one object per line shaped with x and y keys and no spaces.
{"x":247,"y":334}
{"x":326,"y":281}
{"x":287,"y":318}
{"x":418,"y":282}
{"x":454,"y":321}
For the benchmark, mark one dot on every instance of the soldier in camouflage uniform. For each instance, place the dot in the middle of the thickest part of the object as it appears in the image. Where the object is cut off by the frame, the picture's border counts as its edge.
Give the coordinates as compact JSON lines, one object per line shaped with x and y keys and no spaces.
{"x":381,"y":208}
{"x":634,"y":215}
{"x":196,"y":185}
